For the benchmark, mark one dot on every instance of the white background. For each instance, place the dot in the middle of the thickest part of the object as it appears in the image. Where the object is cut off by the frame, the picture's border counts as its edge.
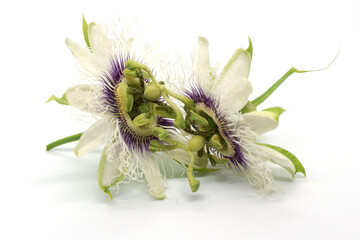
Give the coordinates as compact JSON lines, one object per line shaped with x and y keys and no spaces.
{"x":53,"y":195}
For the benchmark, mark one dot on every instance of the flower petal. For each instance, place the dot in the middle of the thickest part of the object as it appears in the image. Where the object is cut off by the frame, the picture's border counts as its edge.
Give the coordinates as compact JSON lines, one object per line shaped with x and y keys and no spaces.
{"x":83,"y":56}
{"x":263,"y":121}
{"x":153,"y":176}
{"x":108,"y":174}
{"x":283,"y":158}
{"x":260,"y":122}
{"x":93,"y":137}
{"x":232,"y":83}
{"x":86,"y":97}
{"x":202,"y":62}
{"x":100,"y":44}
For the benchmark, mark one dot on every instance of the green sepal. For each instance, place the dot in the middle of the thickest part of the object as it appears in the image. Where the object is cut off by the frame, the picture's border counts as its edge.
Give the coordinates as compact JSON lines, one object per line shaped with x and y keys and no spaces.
{"x":85,"y":27}
{"x":141,"y":120}
{"x":160,"y":133}
{"x":276,"y":111}
{"x":61,"y":100}
{"x":250,"y":48}
{"x":197,"y":119}
{"x":298,"y":166}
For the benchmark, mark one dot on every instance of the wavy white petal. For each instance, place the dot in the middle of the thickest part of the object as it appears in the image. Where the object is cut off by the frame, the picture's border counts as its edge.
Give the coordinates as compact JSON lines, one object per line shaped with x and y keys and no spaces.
{"x":86,"y":97}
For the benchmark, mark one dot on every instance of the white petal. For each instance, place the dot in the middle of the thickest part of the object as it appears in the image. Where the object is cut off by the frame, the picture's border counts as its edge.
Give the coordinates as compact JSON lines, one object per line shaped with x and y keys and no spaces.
{"x":261,"y":122}
{"x":232,"y":83}
{"x":94,"y":137}
{"x":202,"y":63}
{"x":83,"y":56}
{"x":129,"y":46}
{"x":100,"y":44}
{"x":108,"y":173}
{"x":116,"y":163}
{"x":153,"y":176}
{"x":279,"y":159}
{"x":86,"y":97}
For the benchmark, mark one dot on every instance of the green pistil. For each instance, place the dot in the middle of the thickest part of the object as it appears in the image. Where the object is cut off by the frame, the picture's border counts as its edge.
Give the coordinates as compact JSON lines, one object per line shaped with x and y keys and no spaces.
{"x":62,"y":141}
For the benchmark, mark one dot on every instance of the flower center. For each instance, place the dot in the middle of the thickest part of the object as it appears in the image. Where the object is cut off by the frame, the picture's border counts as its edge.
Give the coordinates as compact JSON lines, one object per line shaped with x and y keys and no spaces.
{"x":217,"y":126}
{"x":134,"y":109}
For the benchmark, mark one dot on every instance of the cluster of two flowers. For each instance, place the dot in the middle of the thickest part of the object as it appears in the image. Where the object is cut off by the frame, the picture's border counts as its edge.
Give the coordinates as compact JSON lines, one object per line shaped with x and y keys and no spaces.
{"x":210,"y":121}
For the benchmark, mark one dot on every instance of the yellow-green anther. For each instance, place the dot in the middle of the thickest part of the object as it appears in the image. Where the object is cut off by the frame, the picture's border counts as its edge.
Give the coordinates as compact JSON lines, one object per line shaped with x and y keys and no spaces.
{"x":215,"y":142}
{"x":152,"y":93}
{"x":133,"y":73}
{"x":196,"y":143}
{"x":165,"y":111}
{"x":129,"y":73}
{"x":197,"y":119}
{"x":160,"y":133}
{"x":130,"y":81}
{"x":194,"y":184}
{"x":220,"y":160}
{"x":141,"y":120}
{"x":133,"y":65}
{"x":127,"y":100}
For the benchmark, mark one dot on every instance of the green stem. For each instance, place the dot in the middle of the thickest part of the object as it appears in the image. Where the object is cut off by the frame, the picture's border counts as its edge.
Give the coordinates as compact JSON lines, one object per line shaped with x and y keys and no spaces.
{"x":256,"y":102}
{"x":62,"y":141}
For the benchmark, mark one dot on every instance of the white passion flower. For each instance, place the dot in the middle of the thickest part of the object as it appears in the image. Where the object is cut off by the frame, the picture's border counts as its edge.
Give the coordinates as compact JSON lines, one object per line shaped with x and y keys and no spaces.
{"x":124,"y":102}
{"x":228,"y":122}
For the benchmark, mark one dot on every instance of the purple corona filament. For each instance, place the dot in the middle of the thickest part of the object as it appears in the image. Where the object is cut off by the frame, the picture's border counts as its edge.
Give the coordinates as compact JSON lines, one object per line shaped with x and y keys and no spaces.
{"x":135,"y":141}
{"x":198,"y":95}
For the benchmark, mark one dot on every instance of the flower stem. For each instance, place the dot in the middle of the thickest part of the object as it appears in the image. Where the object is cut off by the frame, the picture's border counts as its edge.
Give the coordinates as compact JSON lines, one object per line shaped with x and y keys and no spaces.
{"x":62,"y":141}
{"x":257,"y":101}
